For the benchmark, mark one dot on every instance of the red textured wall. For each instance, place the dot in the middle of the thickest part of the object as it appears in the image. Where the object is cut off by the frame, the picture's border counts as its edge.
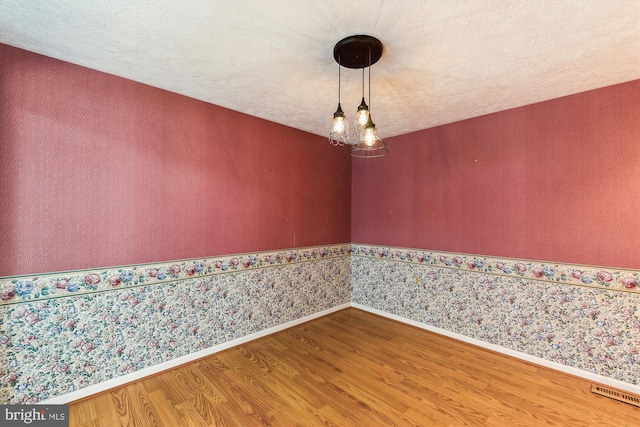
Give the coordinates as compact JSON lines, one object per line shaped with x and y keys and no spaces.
{"x":96,"y":170}
{"x":556,"y":181}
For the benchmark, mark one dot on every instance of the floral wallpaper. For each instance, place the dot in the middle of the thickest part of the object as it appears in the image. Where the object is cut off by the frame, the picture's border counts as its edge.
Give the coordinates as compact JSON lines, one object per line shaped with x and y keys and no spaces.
{"x":65,"y":331}
{"x":584,"y":317}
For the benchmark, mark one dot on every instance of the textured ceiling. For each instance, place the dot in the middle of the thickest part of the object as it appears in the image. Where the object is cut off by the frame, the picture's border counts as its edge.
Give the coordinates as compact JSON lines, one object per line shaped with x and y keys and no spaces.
{"x":443,"y":60}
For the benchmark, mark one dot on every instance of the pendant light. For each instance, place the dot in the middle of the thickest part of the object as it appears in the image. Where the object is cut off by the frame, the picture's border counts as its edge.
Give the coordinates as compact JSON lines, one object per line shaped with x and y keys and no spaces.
{"x":370,"y":145}
{"x":362,"y":114}
{"x":359,"y":51}
{"x":339,"y":127}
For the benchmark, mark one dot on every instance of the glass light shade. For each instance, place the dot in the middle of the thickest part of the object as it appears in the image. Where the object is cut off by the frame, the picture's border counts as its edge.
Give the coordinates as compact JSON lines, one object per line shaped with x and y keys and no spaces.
{"x":339,"y":128}
{"x":369,"y":135}
{"x":370,"y":144}
{"x":362,"y":117}
{"x":338,"y":125}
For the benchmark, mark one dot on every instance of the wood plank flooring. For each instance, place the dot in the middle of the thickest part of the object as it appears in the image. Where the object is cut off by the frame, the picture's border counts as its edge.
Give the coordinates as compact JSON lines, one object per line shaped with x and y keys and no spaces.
{"x":353,"y":368}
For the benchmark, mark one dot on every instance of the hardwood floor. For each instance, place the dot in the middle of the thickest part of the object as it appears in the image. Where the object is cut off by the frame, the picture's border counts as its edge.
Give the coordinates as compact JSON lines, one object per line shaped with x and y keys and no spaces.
{"x":353,"y":368}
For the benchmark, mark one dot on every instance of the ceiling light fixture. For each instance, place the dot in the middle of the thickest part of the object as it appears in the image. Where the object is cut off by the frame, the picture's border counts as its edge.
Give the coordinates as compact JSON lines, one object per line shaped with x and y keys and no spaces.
{"x":358,"y":51}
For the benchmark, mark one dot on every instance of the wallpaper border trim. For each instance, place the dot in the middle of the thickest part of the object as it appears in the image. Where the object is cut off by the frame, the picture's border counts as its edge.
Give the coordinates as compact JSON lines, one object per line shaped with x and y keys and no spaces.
{"x":31,"y":287}
{"x":506,"y":351}
{"x":613,"y":279}
{"x":26,"y":288}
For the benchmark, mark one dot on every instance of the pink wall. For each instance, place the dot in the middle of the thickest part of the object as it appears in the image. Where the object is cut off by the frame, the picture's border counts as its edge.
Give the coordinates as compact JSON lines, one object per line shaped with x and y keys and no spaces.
{"x":556,"y":181}
{"x":96,"y":170}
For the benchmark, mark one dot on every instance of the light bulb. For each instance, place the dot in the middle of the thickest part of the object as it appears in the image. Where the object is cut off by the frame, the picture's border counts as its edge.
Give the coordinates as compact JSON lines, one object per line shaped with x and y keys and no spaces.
{"x":369,"y":136}
{"x":369,"y":132}
{"x":362,"y":117}
{"x":338,"y":125}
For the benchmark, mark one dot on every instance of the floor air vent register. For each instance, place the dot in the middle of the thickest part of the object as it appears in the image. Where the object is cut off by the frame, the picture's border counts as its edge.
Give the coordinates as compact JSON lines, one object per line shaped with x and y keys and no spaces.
{"x":615,"y":394}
